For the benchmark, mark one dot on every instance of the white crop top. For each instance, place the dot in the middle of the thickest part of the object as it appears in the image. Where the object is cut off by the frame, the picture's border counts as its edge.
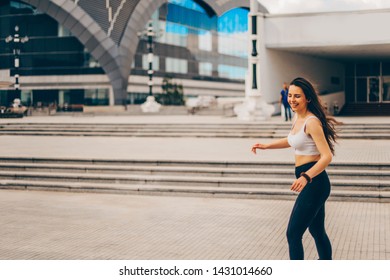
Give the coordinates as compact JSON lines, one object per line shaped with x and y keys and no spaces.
{"x":301,"y":142}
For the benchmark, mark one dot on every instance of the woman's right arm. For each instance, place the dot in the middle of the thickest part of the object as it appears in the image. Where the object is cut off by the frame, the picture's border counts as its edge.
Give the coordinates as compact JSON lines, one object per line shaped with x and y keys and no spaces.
{"x":278,"y":144}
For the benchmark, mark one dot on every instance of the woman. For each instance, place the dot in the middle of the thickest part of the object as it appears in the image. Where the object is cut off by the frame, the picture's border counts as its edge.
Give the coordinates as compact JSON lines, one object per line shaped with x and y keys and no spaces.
{"x":312,"y":136}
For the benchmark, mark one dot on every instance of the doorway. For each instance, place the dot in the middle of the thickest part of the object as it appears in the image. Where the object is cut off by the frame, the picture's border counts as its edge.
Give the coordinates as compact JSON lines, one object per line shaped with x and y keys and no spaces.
{"x":369,"y":89}
{"x":386,"y":89}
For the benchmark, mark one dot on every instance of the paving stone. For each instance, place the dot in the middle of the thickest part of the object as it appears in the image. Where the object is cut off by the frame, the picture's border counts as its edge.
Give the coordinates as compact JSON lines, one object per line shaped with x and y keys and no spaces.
{"x":56,"y":225}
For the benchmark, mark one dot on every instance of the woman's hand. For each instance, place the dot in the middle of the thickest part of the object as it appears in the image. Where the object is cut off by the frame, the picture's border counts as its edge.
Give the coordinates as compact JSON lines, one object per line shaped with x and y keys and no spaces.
{"x":299,"y":184}
{"x":258,"y":146}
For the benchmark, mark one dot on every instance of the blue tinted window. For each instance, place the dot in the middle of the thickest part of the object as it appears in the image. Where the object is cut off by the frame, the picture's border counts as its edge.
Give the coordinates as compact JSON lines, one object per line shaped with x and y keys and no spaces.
{"x":234,"y":21}
{"x":232,"y":72}
{"x":232,"y":33}
{"x":176,"y":28}
{"x":184,"y":16}
{"x":189,"y":4}
{"x":21,"y":8}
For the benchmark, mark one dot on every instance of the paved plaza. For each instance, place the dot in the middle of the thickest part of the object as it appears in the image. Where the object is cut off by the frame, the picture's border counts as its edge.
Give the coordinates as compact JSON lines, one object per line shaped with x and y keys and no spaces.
{"x":50,"y":225}
{"x":61,"y":225}
{"x":182,"y":148}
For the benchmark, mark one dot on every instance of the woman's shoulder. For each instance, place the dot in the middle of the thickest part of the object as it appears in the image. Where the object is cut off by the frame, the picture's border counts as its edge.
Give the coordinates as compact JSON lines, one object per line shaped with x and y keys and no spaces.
{"x":312,"y":117}
{"x":313,"y":121}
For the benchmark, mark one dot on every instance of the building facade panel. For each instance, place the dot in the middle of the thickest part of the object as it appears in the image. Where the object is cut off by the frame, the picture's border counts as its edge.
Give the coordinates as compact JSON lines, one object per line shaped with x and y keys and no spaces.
{"x":103,"y":42}
{"x":71,"y":21}
{"x":53,"y":9}
{"x":102,"y":48}
{"x":328,"y":29}
{"x":61,"y":16}
{"x":44,"y":5}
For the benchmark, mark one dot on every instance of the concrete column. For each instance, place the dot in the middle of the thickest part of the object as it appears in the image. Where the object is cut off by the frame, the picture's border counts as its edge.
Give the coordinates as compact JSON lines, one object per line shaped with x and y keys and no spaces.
{"x":193,"y":46}
{"x":111,"y":98}
{"x":215,"y":47}
{"x":254,"y":107}
{"x":61,"y":98}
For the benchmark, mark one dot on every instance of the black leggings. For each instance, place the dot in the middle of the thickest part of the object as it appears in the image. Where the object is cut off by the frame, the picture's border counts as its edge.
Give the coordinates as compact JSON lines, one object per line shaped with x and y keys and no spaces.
{"x":309,"y":212}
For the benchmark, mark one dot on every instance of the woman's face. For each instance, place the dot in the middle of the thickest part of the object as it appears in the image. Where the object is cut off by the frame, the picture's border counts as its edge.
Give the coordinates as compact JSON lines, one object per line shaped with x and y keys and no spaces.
{"x":297,"y":99}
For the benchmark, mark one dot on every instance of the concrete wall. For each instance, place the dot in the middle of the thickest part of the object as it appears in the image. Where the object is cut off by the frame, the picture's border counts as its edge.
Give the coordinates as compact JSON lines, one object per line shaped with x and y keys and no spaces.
{"x":328,"y":29}
{"x":337,"y":98}
{"x":280,"y":66}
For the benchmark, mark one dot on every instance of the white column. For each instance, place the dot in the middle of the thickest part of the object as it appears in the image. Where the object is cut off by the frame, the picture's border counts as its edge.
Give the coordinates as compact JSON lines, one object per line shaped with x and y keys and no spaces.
{"x":61,"y":98}
{"x":254,"y":106}
{"x":111,"y":100}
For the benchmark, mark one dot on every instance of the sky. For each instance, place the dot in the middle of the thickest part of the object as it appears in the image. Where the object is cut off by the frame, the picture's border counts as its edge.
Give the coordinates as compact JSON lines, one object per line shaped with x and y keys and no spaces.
{"x":305,"y":6}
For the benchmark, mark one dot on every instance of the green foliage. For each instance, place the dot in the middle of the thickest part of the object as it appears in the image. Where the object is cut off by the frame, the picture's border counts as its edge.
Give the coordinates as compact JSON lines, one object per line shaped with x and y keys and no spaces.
{"x":173,"y":93}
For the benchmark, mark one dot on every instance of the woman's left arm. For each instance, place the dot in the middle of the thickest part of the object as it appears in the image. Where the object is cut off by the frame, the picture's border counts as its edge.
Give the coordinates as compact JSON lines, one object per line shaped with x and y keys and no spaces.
{"x":314,"y":129}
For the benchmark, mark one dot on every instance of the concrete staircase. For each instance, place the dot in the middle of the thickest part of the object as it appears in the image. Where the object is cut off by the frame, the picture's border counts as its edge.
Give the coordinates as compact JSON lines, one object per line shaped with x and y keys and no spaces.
{"x":259,"y":130}
{"x":350,"y":182}
{"x":366,"y":109}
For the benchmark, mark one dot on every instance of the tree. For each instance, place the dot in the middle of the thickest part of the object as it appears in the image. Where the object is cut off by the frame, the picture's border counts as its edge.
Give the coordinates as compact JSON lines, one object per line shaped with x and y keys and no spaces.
{"x":173,"y":93}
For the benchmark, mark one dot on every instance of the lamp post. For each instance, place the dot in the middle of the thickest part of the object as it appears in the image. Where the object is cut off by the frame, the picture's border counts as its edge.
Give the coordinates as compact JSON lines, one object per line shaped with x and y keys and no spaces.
{"x":16,"y":42}
{"x":149,"y":34}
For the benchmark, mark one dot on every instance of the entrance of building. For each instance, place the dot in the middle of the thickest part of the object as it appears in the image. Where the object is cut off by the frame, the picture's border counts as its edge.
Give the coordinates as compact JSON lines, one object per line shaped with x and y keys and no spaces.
{"x":367,"y":89}
{"x":372,"y":90}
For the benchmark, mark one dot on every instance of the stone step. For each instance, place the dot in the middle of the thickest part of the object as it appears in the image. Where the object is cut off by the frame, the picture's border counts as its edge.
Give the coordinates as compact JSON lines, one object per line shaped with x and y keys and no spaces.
{"x":192,"y":134}
{"x":177,"y":129}
{"x":363,"y":167}
{"x":195,"y":181}
{"x":263,"y":130}
{"x":263,"y":193}
{"x":179,"y":126}
{"x":239,"y":179}
{"x":242,"y":172}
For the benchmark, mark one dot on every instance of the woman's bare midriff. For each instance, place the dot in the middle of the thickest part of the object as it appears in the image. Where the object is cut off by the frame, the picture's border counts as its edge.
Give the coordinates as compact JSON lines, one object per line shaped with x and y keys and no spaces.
{"x":301,"y":160}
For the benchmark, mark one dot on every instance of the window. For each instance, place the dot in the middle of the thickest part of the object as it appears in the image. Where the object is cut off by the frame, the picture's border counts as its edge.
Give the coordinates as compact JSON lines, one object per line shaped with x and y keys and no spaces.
{"x":175,"y":34}
{"x":205,"y":41}
{"x":232,"y":72}
{"x":368,"y":69}
{"x":176,"y":65}
{"x":205,"y":68}
{"x":233,"y":44}
{"x":189,"y":4}
{"x":232,"y":33}
{"x":96,"y":97}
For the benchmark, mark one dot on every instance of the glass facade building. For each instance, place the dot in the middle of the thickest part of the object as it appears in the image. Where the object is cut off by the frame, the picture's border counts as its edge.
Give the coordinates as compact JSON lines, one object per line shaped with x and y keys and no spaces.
{"x":193,"y":44}
{"x":50,"y":50}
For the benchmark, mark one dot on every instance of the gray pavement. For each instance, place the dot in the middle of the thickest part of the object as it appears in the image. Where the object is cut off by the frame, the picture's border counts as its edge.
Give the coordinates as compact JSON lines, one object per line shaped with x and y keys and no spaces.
{"x":50,"y":225}
{"x":56,"y":225}
{"x":221,"y":149}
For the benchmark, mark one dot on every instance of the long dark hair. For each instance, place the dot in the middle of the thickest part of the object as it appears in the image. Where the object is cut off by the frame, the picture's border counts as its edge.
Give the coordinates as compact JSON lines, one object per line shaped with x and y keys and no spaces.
{"x":315,"y":106}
